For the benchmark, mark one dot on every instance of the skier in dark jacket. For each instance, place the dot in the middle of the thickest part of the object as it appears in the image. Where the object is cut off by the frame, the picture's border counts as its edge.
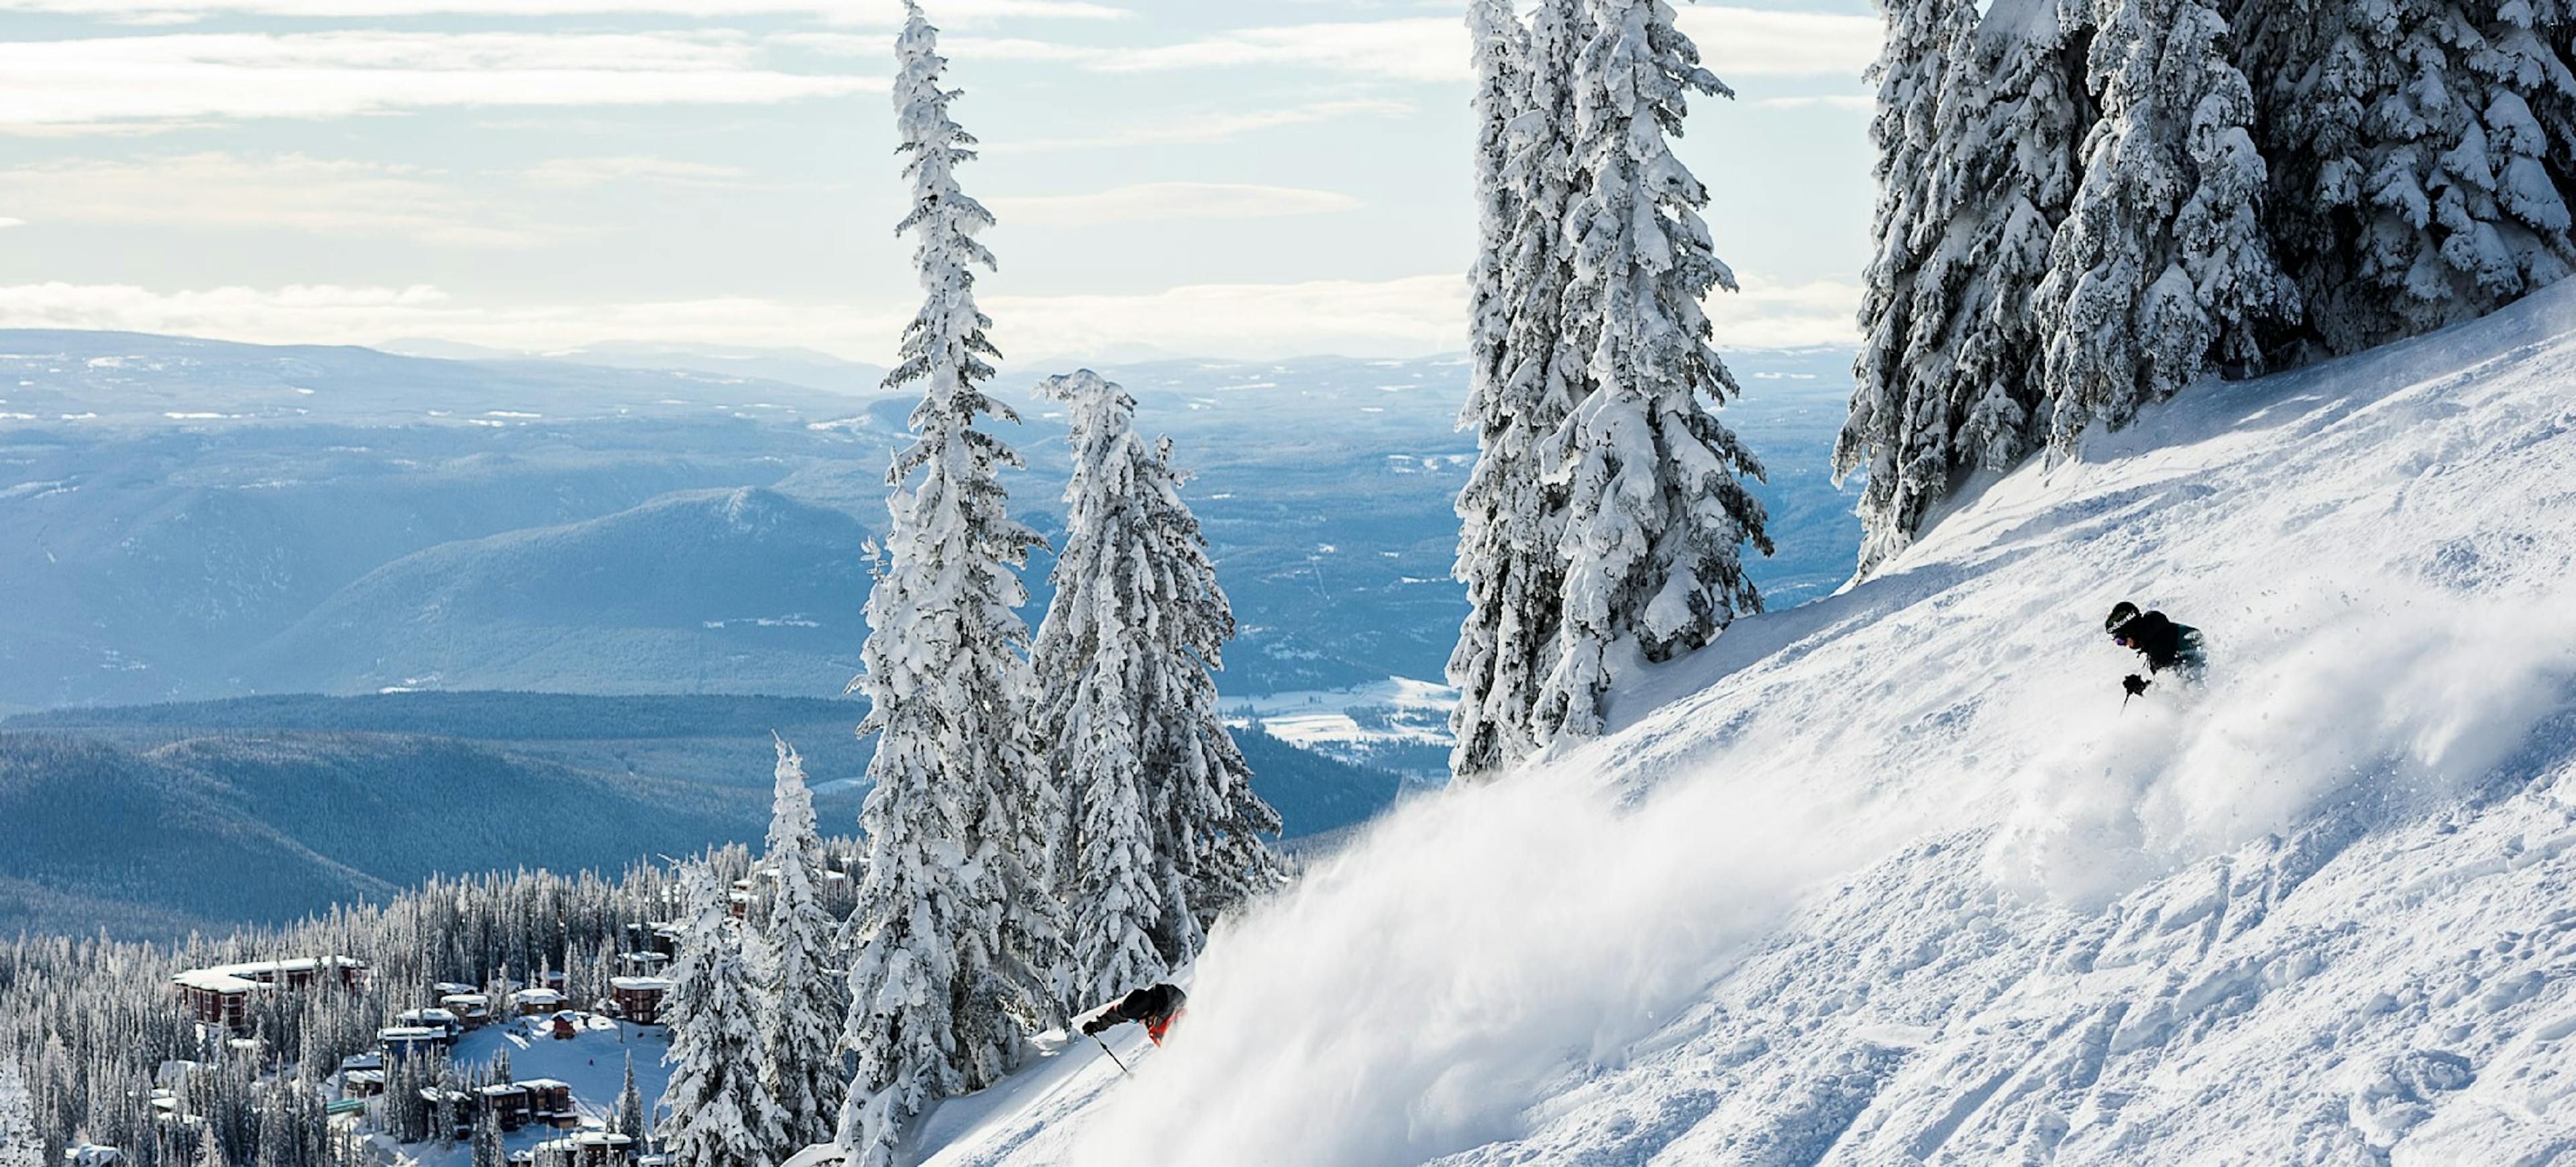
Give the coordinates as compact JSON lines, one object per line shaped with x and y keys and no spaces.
{"x":1156,"y":1009}
{"x":2153,"y":635}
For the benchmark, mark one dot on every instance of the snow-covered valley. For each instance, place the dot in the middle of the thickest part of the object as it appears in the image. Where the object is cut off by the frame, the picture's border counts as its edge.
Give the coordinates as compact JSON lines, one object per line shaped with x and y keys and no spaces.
{"x":1897,"y":876}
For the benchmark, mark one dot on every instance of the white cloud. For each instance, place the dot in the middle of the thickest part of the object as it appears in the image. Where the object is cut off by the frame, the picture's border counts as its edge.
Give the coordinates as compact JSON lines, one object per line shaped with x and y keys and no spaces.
{"x":1751,"y":42}
{"x":117,"y":82}
{"x":290,"y":193}
{"x":582,"y":173}
{"x":1852,"y":101}
{"x":884,"y":13}
{"x":1411,"y":316}
{"x":1154,"y":128}
{"x":1735,"y":42}
{"x":335,"y":314}
{"x":7,"y":223}
{"x":1410,"y":49}
{"x":1400,"y":317}
{"x":1394,"y":317}
{"x":1770,"y":314}
{"x":1166,"y":201}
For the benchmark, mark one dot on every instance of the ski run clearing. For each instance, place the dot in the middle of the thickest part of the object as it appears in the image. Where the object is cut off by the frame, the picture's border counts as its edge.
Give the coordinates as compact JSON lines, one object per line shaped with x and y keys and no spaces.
{"x":1895,"y":877}
{"x":592,"y":1062}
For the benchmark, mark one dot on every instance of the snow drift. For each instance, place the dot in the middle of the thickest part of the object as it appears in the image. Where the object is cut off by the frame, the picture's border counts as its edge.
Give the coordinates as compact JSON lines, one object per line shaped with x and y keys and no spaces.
{"x":1896,"y":876}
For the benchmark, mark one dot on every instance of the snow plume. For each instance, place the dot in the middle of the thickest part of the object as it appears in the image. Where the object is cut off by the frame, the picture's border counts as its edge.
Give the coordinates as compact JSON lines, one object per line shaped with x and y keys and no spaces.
{"x":2386,"y":706}
{"x":1571,"y":923}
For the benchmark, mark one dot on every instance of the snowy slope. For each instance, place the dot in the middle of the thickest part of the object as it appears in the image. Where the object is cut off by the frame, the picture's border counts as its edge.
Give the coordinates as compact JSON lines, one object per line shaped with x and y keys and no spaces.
{"x":1895,"y":877}
{"x":592,"y":1062}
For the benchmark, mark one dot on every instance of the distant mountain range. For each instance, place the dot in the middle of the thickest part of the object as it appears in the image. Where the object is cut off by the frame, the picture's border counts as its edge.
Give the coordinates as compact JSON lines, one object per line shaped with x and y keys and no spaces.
{"x":800,"y":366}
{"x":184,"y":519}
{"x":246,"y":826}
{"x":150,"y":820}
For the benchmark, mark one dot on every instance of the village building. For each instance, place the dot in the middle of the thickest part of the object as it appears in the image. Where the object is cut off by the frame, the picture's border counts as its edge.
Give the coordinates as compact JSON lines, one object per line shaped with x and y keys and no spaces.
{"x":403,"y":1041}
{"x":220,"y":994}
{"x":508,"y":1103}
{"x":458,"y":1104}
{"x":587,"y":1149}
{"x":432,"y":1017}
{"x":639,"y":999}
{"x":472,"y":1010}
{"x":662,"y":936}
{"x":536,"y":1002}
{"x":550,"y":1103}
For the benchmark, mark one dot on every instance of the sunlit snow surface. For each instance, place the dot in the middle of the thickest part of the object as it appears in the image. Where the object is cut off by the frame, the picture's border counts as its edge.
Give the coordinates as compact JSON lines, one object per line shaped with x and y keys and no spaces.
{"x":1895,"y":877}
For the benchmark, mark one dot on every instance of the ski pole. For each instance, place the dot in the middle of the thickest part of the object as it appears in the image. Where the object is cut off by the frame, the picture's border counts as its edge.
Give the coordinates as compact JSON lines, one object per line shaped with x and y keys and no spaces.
{"x":1113,"y":1056}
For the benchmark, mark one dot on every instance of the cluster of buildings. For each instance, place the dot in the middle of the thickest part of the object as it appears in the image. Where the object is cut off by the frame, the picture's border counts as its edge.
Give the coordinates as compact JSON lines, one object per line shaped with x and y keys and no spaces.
{"x":226,"y":995}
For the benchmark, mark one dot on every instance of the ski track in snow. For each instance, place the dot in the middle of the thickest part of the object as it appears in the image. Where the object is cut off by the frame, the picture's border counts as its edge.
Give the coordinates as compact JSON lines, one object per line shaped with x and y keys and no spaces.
{"x":1895,"y":877}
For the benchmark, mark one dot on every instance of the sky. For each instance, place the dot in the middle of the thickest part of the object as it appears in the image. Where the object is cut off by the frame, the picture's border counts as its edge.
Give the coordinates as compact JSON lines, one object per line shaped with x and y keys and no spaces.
{"x":1228,"y":178}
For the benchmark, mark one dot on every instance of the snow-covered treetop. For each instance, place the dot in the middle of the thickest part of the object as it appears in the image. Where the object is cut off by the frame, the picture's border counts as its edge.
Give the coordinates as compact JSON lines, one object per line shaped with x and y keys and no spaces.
{"x":945,"y":344}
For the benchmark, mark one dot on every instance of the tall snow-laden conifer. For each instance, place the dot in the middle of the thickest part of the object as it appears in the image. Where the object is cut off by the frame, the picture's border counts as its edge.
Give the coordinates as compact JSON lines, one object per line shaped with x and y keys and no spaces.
{"x":488,"y":1149}
{"x":954,"y":929}
{"x":20,"y":1145}
{"x":804,"y":1002}
{"x":2023,"y":130}
{"x":2421,"y":155}
{"x":1512,"y":516}
{"x":1978,"y":122}
{"x":1505,"y":471}
{"x":720,"y":1114}
{"x":1657,"y":511}
{"x":627,"y":1118}
{"x":1900,"y":425}
{"x":2162,"y":266}
{"x":1164,"y":830}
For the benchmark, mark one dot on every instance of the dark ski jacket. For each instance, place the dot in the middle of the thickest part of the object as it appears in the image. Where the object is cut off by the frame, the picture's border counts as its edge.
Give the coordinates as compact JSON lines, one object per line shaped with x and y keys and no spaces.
{"x":2165,"y":644}
{"x":1155,"y":1008}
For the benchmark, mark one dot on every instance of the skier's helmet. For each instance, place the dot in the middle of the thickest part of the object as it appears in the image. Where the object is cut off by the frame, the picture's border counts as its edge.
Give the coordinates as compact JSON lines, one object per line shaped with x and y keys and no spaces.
{"x":2121,"y":614}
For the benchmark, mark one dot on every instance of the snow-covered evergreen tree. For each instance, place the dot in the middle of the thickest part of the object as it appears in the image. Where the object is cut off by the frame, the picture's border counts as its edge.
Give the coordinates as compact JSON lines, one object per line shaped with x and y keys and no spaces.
{"x":1978,"y":122}
{"x":720,"y":1114}
{"x":2030,"y":117}
{"x":1164,"y":830}
{"x":279,"y":1143}
{"x":2162,"y":265}
{"x":1485,"y":560}
{"x":1900,"y":425}
{"x":627,"y":1118}
{"x":1511,"y":517}
{"x":1499,"y":42}
{"x":805,"y":1001}
{"x":955,"y":932}
{"x":20,"y":1144}
{"x":2421,"y":156}
{"x":210,"y":1151}
{"x":1657,"y":511}
{"x":488,"y":1148}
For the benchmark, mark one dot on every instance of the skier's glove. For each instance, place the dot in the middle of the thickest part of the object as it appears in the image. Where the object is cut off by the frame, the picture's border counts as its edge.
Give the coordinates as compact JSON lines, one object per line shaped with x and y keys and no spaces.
{"x":1093,"y":1027}
{"x":2134,"y":683}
